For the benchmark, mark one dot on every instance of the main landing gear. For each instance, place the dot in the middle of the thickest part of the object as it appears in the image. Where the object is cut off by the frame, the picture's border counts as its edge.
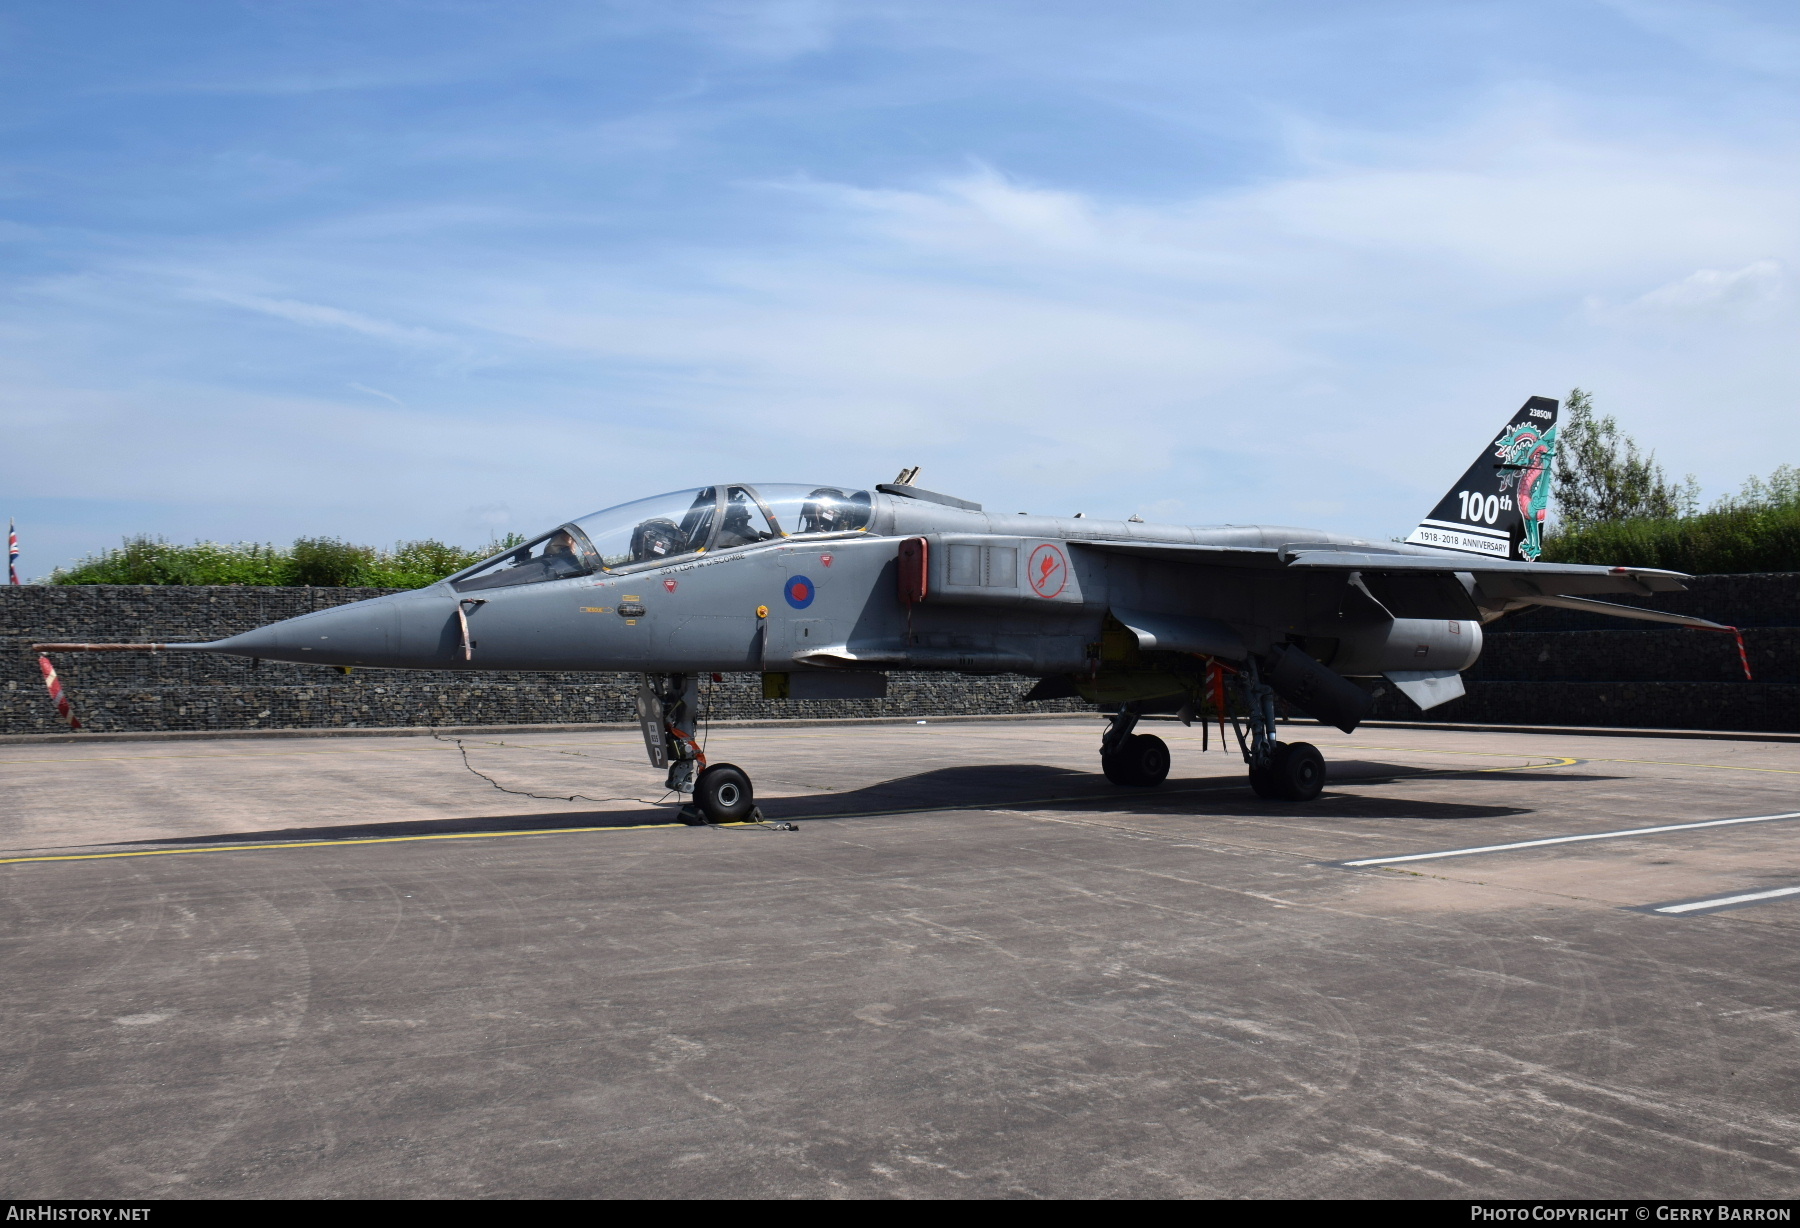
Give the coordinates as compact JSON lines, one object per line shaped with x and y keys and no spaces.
{"x":669,"y":714}
{"x":1280,"y":771}
{"x":1129,"y":758}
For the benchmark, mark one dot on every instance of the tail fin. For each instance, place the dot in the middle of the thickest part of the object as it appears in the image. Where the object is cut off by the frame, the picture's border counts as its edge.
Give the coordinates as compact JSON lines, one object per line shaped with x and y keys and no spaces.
{"x":1498,"y":507}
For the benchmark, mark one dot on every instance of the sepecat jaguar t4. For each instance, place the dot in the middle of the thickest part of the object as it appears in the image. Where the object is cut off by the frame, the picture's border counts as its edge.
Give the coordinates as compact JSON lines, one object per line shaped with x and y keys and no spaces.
{"x":824,"y":589}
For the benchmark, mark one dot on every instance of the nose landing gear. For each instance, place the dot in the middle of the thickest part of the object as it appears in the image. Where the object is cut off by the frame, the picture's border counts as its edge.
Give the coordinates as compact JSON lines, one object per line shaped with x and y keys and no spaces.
{"x":669,"y":716}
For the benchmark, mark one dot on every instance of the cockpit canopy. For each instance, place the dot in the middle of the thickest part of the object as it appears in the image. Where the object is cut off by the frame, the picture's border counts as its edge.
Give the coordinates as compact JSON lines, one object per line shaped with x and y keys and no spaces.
{"x":650,"y":532}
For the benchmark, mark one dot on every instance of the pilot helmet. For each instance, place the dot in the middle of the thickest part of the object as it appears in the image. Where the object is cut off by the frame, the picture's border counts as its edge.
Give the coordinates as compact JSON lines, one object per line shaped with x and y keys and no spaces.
{"x":825,"y":512}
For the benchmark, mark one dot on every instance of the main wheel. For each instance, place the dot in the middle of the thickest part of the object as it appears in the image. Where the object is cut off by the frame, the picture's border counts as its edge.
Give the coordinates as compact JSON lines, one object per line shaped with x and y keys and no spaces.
{"x":1263,"y":783}
{"x":1141,"y":760}
{"x":723,"y":794}
{"x":1299,"y":771}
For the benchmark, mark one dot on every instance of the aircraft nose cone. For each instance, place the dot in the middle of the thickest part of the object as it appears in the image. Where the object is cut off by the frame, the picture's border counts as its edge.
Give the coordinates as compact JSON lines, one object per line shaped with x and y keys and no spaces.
{"x":361,"y":633}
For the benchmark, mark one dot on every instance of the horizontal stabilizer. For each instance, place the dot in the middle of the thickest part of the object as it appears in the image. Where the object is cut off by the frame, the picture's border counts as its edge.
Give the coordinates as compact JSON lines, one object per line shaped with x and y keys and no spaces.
{"x":1428,"y":687}
{"x":1587,"y":605}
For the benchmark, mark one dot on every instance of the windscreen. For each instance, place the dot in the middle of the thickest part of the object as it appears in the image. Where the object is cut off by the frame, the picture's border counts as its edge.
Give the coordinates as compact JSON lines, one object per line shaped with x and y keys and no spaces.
{"x":653,"y":530}
{"x":558,"y":555}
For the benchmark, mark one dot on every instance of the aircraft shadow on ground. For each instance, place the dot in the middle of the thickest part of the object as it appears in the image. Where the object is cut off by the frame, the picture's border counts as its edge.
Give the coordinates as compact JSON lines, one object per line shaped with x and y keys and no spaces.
{"x":985,"y":787}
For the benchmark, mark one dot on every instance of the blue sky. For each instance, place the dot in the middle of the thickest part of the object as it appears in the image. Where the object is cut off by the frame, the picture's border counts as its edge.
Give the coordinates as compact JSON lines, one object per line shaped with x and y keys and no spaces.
{"x":394,"y":270}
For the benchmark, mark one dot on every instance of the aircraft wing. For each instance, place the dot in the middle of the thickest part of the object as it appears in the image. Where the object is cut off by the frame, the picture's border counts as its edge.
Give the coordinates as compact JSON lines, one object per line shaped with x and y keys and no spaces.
{"x":1514,"y":578}
{"x":1509,"y":579}
{"x":1179,"y":552}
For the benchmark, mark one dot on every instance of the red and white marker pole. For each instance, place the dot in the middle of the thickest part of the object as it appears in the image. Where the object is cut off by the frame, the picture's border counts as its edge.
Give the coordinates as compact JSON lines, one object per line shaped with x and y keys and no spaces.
{"x":1743,"y":657}
{"x":56,"y":692}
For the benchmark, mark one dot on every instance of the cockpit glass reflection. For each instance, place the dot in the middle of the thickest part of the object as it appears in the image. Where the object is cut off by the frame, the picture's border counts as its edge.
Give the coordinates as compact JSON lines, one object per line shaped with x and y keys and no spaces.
{"x":746,"y":522}
{"x":653,"y":530}
{"x":557,"y":555}
{"x":806,"y":510}
{"x":663,"y":528}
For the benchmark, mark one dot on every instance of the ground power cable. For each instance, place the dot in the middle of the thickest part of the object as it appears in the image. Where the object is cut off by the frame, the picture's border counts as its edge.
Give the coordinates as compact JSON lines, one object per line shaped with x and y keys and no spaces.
{"x":543,"y":797}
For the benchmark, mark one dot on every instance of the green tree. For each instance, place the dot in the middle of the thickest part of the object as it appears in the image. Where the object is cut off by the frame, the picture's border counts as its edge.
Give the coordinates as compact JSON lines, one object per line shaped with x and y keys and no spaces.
{"x":1601,"y":476}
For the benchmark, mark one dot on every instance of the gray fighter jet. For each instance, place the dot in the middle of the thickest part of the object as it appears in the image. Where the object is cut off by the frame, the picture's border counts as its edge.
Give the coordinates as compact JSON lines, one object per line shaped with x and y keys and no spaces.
{"x":822,"y":589}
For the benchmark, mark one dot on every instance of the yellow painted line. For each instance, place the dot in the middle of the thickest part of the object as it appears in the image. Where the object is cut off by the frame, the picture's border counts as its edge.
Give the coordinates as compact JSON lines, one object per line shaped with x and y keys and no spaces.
{"x":1556,"y":761}
{"x":321,"y":844}
{"x":1420,"y":750}
{"x":1723,"y":767}
{"x":288,"y":754}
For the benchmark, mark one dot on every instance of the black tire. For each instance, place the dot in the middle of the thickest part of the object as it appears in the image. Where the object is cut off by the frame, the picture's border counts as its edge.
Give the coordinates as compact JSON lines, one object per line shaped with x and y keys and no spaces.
{"x":1263,"y":783}
{"x":723,"y":794}
{"x":1113,"y":766}
{"x":1142,"y":761}
{"x":1299,"y":771}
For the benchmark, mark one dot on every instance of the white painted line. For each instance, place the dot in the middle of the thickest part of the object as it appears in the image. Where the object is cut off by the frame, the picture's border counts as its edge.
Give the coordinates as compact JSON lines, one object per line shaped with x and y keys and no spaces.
{"x":1725,"y":901}
{"x":1598,"y":835}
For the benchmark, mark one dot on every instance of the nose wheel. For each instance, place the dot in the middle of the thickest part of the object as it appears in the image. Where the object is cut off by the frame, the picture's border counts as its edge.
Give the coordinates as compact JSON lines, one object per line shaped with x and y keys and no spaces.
{"x":669,"y":715}
{"x":722,"y":794}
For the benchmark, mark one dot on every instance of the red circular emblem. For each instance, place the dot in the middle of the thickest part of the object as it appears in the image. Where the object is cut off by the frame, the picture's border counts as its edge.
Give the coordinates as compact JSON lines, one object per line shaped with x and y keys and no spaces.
{"x":1048,"y":571}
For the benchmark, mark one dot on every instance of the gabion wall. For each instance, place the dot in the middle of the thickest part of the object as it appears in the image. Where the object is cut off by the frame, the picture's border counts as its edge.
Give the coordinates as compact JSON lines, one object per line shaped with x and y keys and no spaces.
{"x":1551,"y":667}
{"x":114,"y":692}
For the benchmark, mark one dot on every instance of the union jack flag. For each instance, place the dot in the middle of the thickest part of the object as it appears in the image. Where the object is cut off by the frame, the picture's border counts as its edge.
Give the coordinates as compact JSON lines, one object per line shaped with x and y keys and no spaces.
{"x":12,"y":553}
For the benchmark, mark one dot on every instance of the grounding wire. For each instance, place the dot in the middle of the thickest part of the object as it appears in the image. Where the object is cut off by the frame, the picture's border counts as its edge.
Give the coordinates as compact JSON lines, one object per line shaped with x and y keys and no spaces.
{"x":544,"y":797}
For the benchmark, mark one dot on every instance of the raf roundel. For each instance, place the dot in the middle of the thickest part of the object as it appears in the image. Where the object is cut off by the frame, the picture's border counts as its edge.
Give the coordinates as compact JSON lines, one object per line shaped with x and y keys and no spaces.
{"x":800,"y":592}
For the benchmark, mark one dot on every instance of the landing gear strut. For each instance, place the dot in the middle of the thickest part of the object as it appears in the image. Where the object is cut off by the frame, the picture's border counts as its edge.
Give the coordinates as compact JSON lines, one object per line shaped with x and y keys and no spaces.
{"x":1128,"y":758}
{"x":669,"y":714}
{"x":1284,"y":771}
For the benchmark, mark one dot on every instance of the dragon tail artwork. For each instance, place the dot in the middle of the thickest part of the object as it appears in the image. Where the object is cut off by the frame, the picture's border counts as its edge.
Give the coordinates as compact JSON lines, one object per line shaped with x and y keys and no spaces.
{"x":1498,"y":507}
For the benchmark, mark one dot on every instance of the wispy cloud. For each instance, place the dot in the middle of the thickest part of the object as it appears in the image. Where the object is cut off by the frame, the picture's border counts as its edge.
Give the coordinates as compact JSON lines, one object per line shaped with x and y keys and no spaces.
{"x":1038,"y":252}
{"x":376,"y":392}
{"x":317,"y":315}
{"x":1756,"y":289}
